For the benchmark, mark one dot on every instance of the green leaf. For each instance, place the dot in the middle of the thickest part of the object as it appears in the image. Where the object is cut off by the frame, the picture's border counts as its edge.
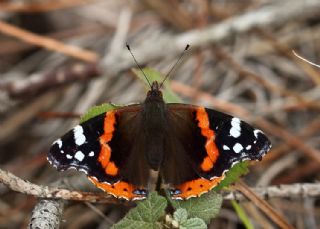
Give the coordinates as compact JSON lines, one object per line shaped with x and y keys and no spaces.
{"x":97,"y":110}
{"x":168,"y":95}
{"x":145,"y":215}
{"x":193,"y":223}
{"x":204,"y":207}
{"x":242,"y":215}
{"x":233,"y":175}
{"x":180,"y":215}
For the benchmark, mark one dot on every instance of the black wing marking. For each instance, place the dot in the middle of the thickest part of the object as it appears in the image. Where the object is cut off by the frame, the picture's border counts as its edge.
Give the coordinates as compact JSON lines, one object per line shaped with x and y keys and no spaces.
{"x":236,"y":140}
{"x":79,"y":148}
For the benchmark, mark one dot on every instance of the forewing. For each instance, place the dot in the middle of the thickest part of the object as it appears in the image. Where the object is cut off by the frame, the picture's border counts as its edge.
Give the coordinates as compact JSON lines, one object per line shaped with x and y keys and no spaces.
{"x":104,"y":148}
{"x":208,"y":143}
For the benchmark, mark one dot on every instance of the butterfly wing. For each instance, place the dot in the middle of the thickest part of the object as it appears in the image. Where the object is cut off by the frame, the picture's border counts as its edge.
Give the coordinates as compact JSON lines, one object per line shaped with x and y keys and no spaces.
{"x":104,"y":148}
{"x":203,"y":144}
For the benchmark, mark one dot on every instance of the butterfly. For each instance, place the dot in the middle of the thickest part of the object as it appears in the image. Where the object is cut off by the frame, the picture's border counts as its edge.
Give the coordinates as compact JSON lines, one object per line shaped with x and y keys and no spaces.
{"x":128,"y":150}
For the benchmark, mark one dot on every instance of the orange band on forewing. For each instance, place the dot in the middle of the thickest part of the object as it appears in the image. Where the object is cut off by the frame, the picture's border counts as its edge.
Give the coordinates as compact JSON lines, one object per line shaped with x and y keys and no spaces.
{"x":105,"y":151}
{"x":206,"y":164}
{"x":120,"y":189}
{"x":196,"y":187}
{"x":111,"y":169}
{"x":211,"y":148}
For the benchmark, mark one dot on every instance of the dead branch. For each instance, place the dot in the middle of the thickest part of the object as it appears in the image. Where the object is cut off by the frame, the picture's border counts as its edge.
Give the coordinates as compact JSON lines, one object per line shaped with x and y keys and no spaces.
{"x":41,"y":82}
{"x":46,"y":214}
{"x":19,"y":185}
{"x":299,"y":190}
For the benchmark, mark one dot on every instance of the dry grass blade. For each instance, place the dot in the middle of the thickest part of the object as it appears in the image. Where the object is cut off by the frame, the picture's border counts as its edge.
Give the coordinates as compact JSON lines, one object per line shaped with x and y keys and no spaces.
{"x":263,"y":205}
{"x":305,"y":60}
{"x":47,"y":43}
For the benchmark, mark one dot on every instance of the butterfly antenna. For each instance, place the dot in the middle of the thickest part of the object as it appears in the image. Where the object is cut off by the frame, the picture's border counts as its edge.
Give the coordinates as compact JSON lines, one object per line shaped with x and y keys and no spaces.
{"x":128,"y":47}
{"x":174,"y":66}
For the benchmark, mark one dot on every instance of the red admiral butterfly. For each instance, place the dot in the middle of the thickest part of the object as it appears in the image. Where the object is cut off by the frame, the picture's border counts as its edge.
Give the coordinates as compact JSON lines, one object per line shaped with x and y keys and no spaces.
{"x":190,"y":147}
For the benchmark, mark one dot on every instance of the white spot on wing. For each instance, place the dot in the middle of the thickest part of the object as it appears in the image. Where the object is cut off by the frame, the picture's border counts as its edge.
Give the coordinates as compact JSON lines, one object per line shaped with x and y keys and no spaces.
{"x":69,"y":156}
{"x":235,"y":130}
{"x":78,"y":135}
{"x":256,"y":131}
{"x":248,"y":147}
{"x":79,"y":156}
{"x":91,"y":154}
{"x":58,"y":142}
{"x":237,"y":148}
{"x":225,"y":147}
{"x":61,"y":151}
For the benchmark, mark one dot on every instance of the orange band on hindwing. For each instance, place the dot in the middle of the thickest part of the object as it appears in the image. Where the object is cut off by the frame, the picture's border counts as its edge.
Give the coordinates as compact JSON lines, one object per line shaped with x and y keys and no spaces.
{"x":105,"y":151}
{"x":120,"y":189}
{"x":195,"y":188}
{"x":211,"y":148}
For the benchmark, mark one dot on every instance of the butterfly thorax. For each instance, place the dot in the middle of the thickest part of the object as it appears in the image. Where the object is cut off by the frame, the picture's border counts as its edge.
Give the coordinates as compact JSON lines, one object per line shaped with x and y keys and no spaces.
{"x":154,"y":126}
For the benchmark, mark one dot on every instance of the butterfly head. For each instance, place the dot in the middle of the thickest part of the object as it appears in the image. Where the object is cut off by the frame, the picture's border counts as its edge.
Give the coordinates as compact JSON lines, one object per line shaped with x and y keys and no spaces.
{"x":154,"y":93}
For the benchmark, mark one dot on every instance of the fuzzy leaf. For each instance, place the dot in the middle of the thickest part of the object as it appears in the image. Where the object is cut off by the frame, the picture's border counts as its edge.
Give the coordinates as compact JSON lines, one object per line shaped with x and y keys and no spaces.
{"x":145,"y":215}
{"x":242,"y":215}
{"x":97,"y":110}
{"x":180,"y":215}
{"x":204,"y":207}
{"x":193,"y":223}
{"x":233,"y":175}
{"x":168,"y":95}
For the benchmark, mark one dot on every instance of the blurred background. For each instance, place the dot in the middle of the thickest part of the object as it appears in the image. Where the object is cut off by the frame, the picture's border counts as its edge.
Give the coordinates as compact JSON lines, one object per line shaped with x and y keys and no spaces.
{"x":59,"y":58}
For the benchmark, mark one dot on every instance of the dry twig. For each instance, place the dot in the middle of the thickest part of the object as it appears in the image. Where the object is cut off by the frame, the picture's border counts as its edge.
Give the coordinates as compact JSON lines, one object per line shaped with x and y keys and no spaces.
{"x":47,"y":43}
{"x":40,"y":6}
{"x":17,"y":184}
